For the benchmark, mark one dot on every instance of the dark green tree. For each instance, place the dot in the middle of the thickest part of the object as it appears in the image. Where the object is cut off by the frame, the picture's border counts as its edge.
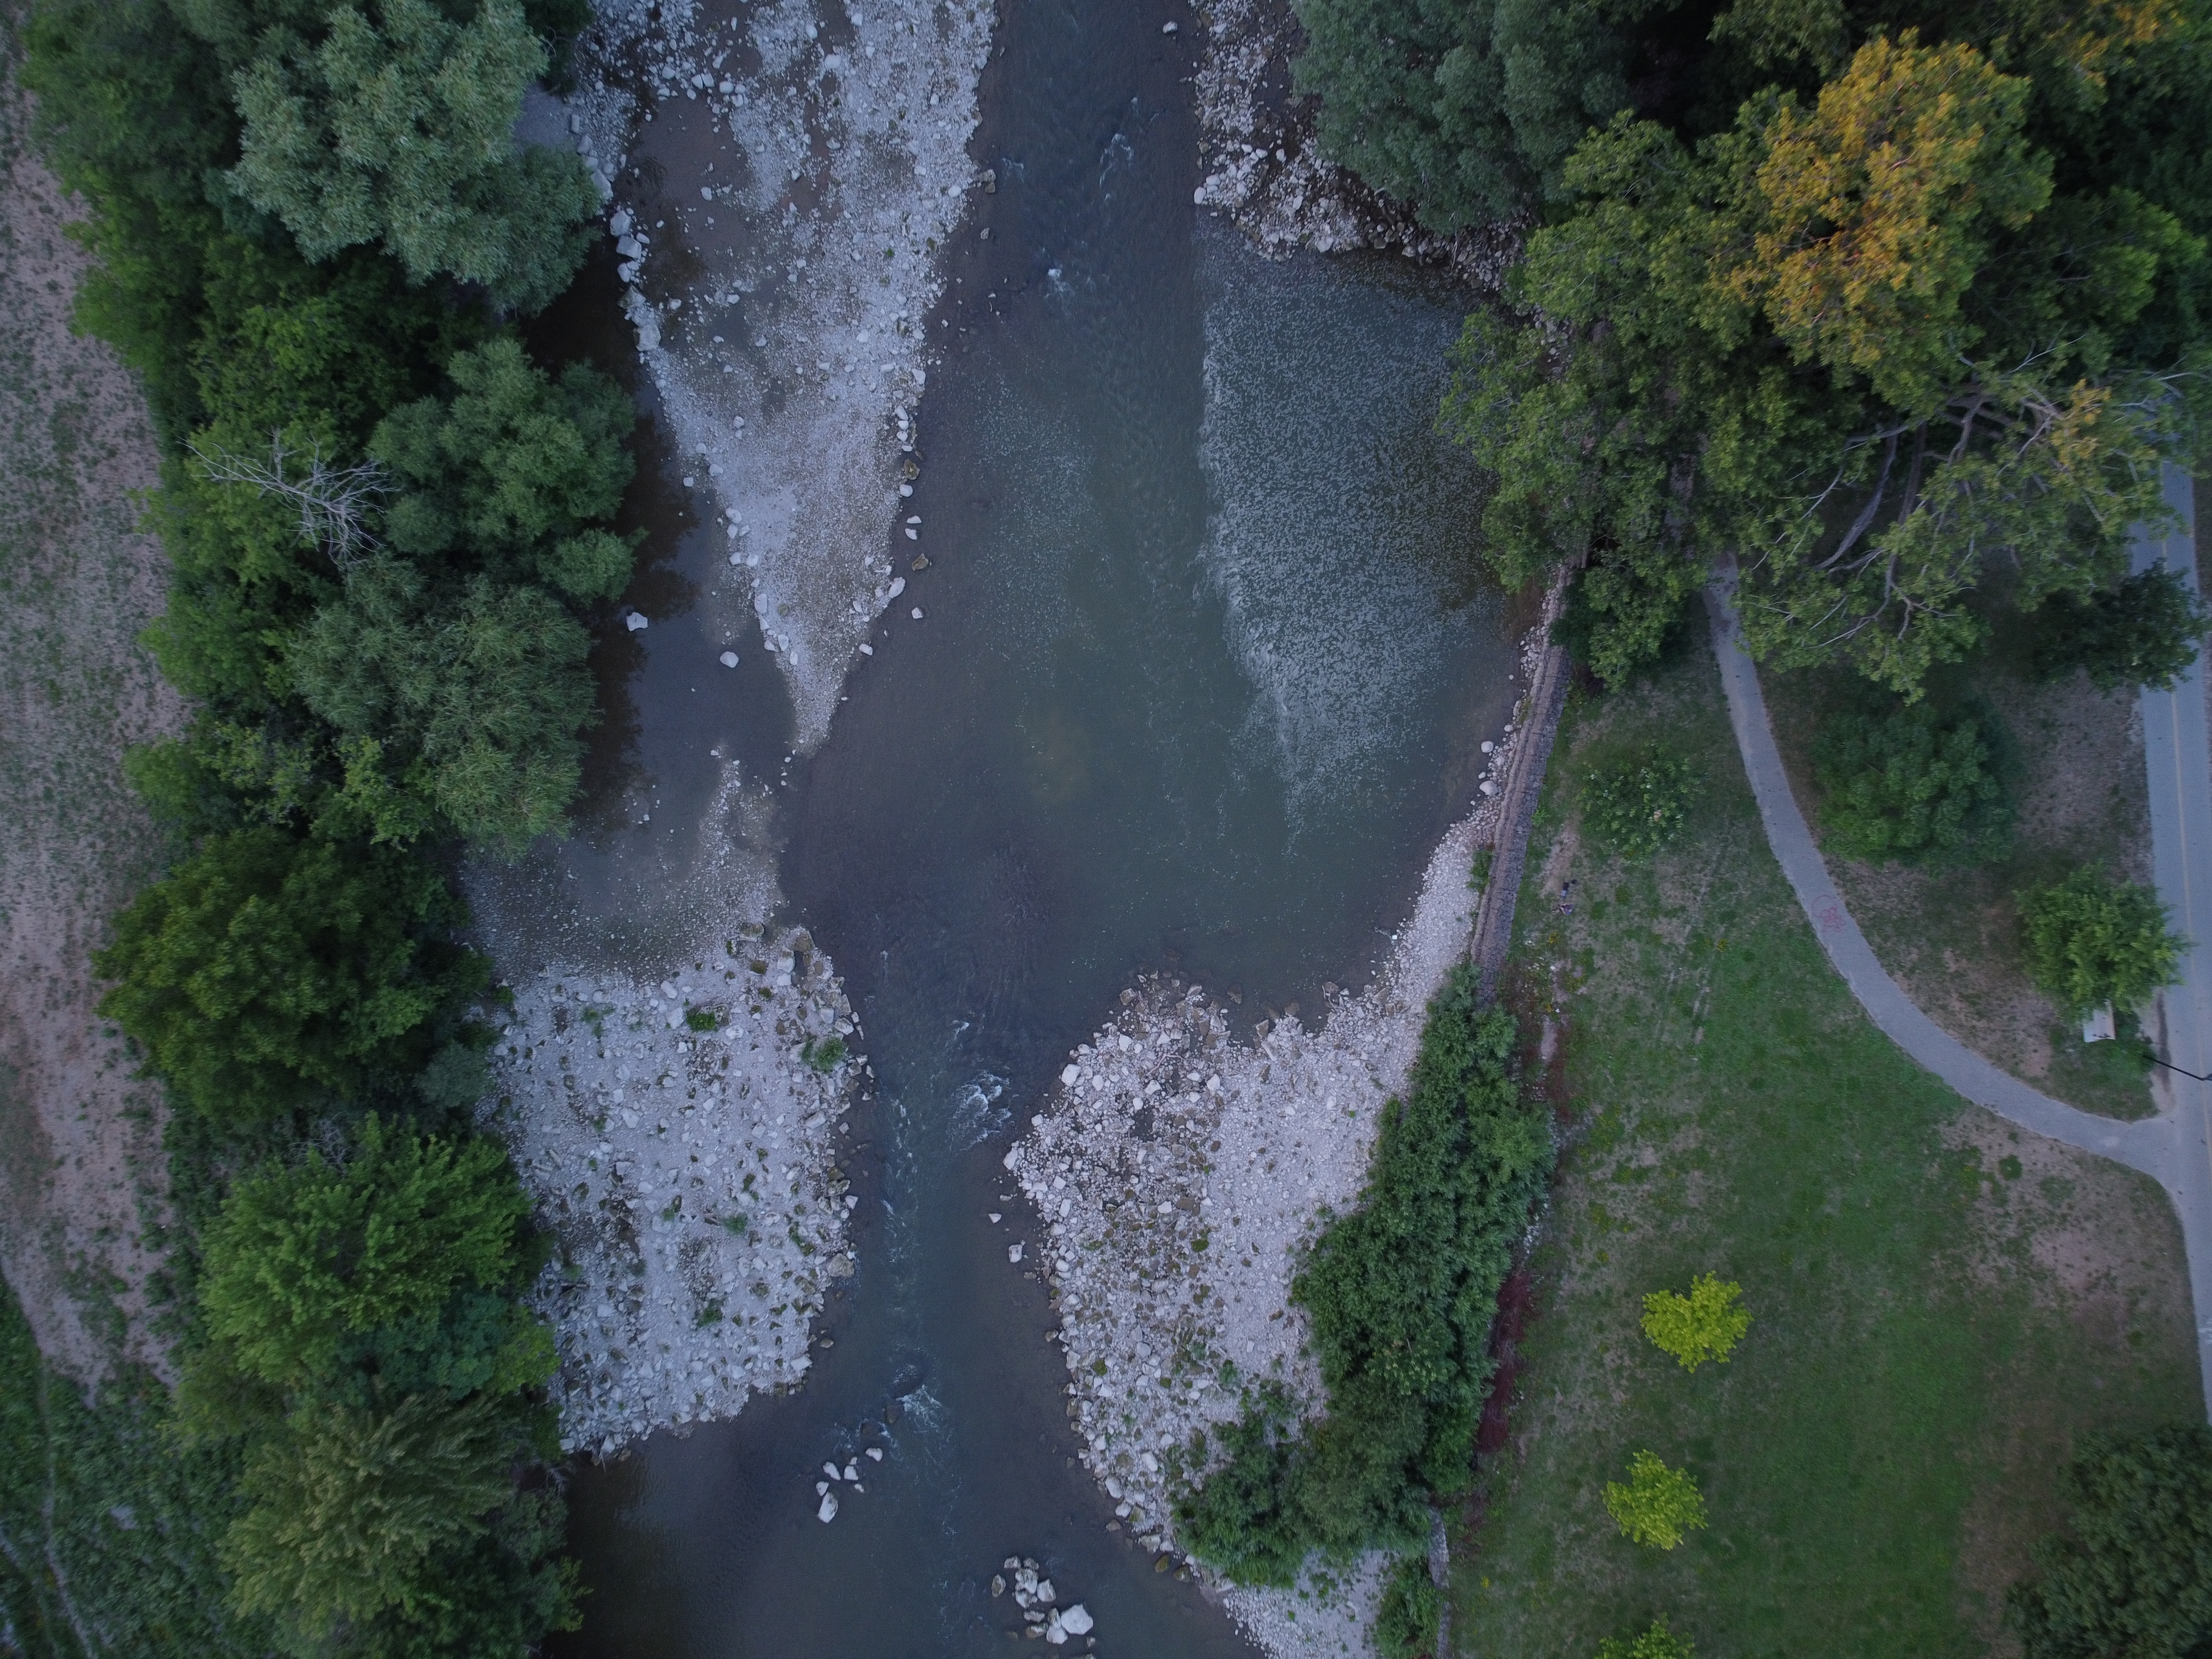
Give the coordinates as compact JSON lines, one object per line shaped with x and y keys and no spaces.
{"x":471,"y":702}
{"x":2145,"y":632}
{"x":2132,"y":1573}
{"x":516,"y":471}
{"x":394,"y":125}
{"x":304,"y":1259}
{"x":266,"y":971}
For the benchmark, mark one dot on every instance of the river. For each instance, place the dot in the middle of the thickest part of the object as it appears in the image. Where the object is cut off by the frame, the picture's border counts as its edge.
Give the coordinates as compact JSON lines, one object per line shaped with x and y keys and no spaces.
{"x":1199,"y":683}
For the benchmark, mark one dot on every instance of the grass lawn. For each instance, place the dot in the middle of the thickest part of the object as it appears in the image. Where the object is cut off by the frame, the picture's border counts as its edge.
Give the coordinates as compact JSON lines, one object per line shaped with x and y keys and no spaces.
{"x":1941,"y":1305}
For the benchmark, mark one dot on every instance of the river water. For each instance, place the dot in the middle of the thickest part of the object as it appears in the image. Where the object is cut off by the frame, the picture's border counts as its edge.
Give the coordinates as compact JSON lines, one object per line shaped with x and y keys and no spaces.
{"x":1199,"y":682}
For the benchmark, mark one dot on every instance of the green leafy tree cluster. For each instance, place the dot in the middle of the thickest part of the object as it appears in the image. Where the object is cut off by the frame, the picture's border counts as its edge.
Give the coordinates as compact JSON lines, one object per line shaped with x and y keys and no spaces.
{"x":2145,"y":632}
{"x":1655,"y":1642}
{"x":2132,"y":1571}
{"x":361,"y":1338}
{"x":1657,"y":1505}
{"x":1411,"y":1608}
{"x":2092,"y":940}
{"x":1868,"y":336}
{"x":1704,"y":1325}
{"x":1907,"y":783}
{"x":1401,"y":1293}
{"x":1636,"y":806}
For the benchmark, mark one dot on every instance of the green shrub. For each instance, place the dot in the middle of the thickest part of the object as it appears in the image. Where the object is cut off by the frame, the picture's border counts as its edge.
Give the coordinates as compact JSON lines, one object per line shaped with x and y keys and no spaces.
{"x":826,"y":1055}
{"x":2132,"y":1573}
{"x":1657,"y":1505}
{"x":1706,"y":1324}
{"x":266,"y":971}
{"x":702,"y":1019}
{"x":1413,"y":1608}
{"x":1909,"y":784}
{"x":1401,"y":1293}
{"x":1657,"y":1642}
{"x":1636,"y":807}
{"x":2092,"y":941}
{"x":2144,"y":632}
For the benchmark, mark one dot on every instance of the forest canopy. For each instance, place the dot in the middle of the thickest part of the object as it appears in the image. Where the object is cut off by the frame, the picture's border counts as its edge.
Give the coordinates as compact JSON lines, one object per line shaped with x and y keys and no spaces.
{"x":1900,"y":309}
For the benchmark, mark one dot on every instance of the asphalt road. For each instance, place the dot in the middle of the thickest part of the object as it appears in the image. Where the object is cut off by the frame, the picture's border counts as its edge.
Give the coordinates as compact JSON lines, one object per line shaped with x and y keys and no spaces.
{"x":2174,"y":1148}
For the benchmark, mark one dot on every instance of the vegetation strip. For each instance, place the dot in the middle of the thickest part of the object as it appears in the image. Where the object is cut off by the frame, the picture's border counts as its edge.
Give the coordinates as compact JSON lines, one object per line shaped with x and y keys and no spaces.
{"x":389,"y":530}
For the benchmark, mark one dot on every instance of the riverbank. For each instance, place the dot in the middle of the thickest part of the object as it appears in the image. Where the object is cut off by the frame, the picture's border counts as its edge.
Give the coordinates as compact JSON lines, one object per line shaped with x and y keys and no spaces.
{"x":1179,"y":1174}
{"x":680,"y":1138}
{"x":80,"y":1126}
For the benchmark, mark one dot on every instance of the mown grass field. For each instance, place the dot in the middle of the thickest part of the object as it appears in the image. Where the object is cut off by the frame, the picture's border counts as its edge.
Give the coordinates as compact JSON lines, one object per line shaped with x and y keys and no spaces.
{"x":1941,"y":1306}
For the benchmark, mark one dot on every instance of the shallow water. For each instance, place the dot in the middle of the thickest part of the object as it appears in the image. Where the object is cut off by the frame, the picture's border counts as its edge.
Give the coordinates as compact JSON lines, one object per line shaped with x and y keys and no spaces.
{"x":1199,"y":684}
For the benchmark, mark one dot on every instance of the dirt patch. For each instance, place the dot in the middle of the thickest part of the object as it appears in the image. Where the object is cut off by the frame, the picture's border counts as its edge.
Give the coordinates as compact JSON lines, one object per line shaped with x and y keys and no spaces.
{"x":1951,"y":935}
{"x":79,"y":1133}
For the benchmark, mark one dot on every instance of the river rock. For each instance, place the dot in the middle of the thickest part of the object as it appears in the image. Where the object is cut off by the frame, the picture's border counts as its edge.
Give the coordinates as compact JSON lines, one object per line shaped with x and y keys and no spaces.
{"x":1014,"y":1253}
{"x":1076,"y":1620}
{"x":828,"y":1512}
{"x":728,"y":660}
{"x":635,"y":621}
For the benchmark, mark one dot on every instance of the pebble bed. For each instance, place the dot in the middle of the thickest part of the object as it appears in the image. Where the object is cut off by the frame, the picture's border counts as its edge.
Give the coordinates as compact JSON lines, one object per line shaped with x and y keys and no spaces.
{"x":780,"y":300}
{"x":1177,"y":1174}
{"x":689,"y":1175}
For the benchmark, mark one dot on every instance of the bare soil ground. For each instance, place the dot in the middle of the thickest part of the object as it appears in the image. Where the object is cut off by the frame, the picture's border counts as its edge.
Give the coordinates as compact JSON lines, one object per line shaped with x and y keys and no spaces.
{"x":1950,"y":934}
{"x":79,"y":1133}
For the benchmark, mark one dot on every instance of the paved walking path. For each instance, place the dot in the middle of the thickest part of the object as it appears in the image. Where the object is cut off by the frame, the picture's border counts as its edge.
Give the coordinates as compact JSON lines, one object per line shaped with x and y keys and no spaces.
{"x":2172,"y":1148}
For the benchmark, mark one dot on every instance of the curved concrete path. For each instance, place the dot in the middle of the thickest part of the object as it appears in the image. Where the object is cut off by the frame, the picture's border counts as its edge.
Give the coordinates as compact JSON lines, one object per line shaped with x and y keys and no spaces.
{"x":2173,"y":1148}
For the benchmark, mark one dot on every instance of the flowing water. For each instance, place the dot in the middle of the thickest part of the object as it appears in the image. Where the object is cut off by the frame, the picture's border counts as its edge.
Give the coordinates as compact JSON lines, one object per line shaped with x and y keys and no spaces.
{"x":1199,"y":683}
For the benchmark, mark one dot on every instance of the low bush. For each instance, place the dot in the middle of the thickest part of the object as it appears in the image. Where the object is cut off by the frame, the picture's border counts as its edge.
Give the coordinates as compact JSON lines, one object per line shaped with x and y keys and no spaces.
{"x":1412,"y":1606}
{"x":2092,"y":940}
{"x":1657,"y":1505}
{"x":1401,"y":1293}
{"x":1907,"y":784}
{"x":2132,"y":1571}
{"x":1636,"y":806}
{"x":2143,"y":633}
{"x":1657,"y":1642}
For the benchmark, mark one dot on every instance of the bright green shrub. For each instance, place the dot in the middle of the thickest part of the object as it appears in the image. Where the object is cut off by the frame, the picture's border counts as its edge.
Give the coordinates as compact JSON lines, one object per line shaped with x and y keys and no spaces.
{"x":1657,"y":1642}
{"x":1412,"y":1606}
{"x":2092,"y":941}
{"x":1706,"y":1324}
{"x":266,"y":971}
{"x":1401,"y":1293}
{"x":303,"y":1259}
{"x":396,"y":126}
{"x":1908,"y":785}
{"x":2132,"y":1573}
{"x":1657,"y":1505}
{"x":2143,"y":633}
{"x":1636,"y":807}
